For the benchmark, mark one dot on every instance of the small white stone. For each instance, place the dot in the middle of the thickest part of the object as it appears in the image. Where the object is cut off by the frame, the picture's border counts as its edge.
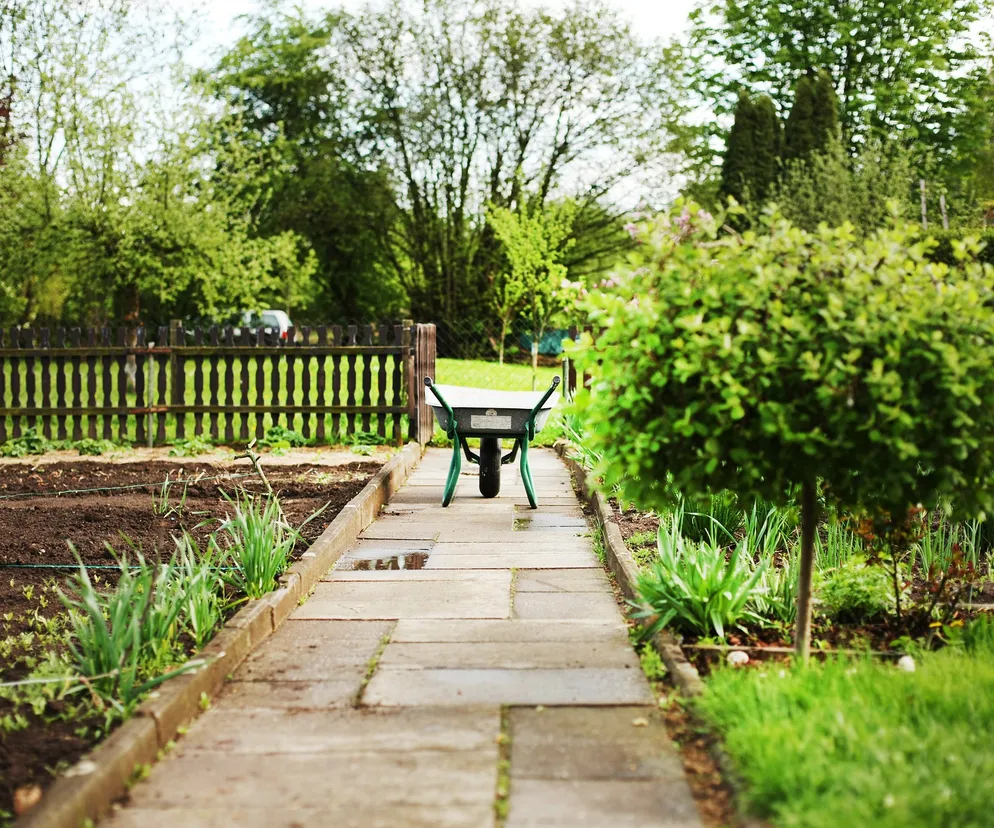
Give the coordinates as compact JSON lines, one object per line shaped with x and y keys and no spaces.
{"x":737,"y":658}
{"x":906,"y":663}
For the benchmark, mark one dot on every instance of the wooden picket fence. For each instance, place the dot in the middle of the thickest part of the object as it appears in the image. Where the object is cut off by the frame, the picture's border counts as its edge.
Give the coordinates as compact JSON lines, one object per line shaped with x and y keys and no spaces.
{"x":328,"y":382}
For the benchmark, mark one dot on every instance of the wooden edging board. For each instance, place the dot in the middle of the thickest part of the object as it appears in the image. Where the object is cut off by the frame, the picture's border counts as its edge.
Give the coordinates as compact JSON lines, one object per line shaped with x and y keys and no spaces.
{"x":88,"y":788}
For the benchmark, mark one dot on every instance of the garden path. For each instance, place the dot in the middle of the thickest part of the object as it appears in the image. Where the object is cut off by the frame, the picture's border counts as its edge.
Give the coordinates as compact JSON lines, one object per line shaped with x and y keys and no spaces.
{"x":394,"y":697}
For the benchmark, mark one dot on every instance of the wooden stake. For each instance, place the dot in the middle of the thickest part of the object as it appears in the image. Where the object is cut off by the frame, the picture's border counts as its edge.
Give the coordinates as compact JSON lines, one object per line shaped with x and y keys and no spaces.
{"x":921,"y":183}
{"x":945,"y":215}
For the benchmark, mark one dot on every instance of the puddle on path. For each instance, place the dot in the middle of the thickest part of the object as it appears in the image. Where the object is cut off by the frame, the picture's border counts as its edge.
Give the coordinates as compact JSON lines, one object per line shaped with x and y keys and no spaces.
{"x":408,"y":560}
{"x":372,"y":554}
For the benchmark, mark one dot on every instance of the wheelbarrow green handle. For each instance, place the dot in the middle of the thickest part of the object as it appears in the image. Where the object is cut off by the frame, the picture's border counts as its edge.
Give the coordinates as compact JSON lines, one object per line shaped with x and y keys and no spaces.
{"x":456,"y":465}
{"x":538,"y":407}
{"x":430,"y":383}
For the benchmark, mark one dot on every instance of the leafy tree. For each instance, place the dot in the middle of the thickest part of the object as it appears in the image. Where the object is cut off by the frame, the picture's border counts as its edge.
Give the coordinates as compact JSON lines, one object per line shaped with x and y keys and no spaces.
{"x":793,"y":362}
{"x":534,"y":239}
{"x":898,"y":67}
{"x":467,"y":104}
{"x":281,"y":93}
{"x":740,"y":152}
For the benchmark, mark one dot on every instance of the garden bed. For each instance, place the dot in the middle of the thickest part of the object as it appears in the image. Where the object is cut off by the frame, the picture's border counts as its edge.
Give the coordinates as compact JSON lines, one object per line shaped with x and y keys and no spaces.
{"x":881,"y":633}
{"x":35,"y":525}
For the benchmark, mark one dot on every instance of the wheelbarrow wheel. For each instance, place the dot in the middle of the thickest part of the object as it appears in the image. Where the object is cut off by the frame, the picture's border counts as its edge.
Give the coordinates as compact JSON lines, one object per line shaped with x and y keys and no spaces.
{"x":489,"y":466}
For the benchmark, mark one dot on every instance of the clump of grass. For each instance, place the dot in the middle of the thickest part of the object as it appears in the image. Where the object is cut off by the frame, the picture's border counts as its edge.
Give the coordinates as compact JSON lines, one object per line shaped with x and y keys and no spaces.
{"x":124,"y":640}
{"x":862,"y":743}
{"x":257,"y":540}
{"x":695,"y":587}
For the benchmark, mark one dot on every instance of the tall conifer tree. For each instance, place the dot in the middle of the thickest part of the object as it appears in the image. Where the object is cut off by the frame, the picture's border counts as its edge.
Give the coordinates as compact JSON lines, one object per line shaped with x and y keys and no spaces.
{"x":740,"y":150}
{"x":800,"y":137}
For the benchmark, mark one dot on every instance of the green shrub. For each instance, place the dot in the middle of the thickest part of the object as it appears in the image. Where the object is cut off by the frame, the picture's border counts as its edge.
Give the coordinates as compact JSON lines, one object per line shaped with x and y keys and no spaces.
{"x":856,"y":592}
{"x":93,"y":448}
{"x":30,"y":442}
{"x":279,"y":437}
{"x":946,"y":242}
{"x":785,"y":361}
{"x":192,"y":448}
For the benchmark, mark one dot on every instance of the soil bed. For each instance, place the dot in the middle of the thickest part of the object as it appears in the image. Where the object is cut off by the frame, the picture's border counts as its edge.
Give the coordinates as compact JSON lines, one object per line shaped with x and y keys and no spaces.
{"x":639,"y":532}
{"x":35,"y":530}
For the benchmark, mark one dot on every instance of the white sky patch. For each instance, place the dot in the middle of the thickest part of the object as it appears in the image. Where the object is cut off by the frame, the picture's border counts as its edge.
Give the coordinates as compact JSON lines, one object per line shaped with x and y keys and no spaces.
{"x":219,"y":27}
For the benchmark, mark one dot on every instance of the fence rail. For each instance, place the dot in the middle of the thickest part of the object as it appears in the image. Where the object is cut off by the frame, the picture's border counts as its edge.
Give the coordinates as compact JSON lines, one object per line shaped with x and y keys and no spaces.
{"x":327,"y":382}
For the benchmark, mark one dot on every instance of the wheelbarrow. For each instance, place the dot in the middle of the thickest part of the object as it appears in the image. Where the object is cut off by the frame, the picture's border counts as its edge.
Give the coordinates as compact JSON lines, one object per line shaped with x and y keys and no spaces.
{"x":492,"y":416}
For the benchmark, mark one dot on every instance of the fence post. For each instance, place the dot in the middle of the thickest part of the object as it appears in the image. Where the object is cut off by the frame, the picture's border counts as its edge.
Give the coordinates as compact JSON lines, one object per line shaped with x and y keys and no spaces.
{"x":422,"y":365}
{"x":177,"y":338}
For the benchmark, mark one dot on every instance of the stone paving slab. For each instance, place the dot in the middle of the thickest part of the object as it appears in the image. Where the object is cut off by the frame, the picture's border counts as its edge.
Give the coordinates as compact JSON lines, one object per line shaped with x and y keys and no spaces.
{"x":312,"y":651}
{"x":494,"y":544}
{"x":407,"y":688}
{"x":407,"y":575}
{"x":339,"y":782}
{"x":561,"y":580}
{"x":332,"y":692}
{"x":560,"y":606}
{"x":591,"y":743}
{"x":230,"y":730}
{"x":513,"y":560}
{"x":401,"y":530}
{"x":500,"y":632}
{"x":457,"y":532}
{"x":372,"y":815}
{"x":387,"y":600}
{"x":511,"y":655}
{"x":596,"y":803}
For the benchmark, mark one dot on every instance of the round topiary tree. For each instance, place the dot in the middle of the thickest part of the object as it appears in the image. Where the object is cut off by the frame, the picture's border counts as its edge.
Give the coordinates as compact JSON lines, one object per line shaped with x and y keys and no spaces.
{"x":785,"y":361}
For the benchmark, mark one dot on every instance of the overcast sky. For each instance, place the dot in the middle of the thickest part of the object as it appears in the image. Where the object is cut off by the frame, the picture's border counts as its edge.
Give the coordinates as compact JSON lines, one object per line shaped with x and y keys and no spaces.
{"x":219,"y":28}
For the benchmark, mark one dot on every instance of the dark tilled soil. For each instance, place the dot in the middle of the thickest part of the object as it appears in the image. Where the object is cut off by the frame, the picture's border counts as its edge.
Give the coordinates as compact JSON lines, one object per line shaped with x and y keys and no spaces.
{"x":37,"y":530}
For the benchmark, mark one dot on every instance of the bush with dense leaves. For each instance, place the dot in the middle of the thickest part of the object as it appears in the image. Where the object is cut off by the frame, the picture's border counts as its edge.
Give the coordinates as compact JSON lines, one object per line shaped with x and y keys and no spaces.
{"x":781,"y":359}
{"x":856,"y":592}
{"x":752,"y":363}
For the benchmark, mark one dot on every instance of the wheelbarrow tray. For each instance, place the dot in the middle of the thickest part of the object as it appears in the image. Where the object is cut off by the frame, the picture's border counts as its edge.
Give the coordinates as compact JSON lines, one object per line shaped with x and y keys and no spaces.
{"x":492,"y":416}
{"x":482,"y":412}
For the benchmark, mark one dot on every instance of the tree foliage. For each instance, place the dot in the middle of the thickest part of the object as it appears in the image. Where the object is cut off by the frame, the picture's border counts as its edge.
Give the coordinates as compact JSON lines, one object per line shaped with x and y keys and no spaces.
{"x":535,"y":239}
{"x":784,"y":358}
{"x":897,"y":66}
{"x":752,"y":152}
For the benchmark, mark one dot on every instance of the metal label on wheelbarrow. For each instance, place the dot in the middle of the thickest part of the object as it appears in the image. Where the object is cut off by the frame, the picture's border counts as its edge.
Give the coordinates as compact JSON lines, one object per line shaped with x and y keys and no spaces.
{"x":491,"y":421}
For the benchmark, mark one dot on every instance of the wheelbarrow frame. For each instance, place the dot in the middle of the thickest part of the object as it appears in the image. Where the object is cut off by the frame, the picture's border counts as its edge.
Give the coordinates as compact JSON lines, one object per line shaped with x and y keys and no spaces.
{"x":460,"y":445}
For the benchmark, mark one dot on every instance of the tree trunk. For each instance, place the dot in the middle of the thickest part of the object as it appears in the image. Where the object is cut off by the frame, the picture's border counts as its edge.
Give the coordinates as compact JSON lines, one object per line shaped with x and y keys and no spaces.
{"x":500,"y":347}
{"x":809,"y":521}
{"x":535,"y":362}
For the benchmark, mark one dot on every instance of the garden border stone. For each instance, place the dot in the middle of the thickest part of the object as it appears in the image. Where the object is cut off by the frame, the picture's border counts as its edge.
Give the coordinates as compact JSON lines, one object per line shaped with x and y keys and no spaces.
{"x":622,"y":564}
{"x":87,"y":790}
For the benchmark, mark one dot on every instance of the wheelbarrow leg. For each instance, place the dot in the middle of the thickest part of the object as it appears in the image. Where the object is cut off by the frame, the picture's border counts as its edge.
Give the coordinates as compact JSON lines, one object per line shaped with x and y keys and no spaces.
{"x":526,"y":474}
{"x":454,"y":468}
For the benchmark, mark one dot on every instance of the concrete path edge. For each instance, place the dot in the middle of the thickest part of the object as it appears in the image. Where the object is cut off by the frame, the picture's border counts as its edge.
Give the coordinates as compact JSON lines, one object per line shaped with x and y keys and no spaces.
{"x":622,"y":564}
{"x":103,"y":775}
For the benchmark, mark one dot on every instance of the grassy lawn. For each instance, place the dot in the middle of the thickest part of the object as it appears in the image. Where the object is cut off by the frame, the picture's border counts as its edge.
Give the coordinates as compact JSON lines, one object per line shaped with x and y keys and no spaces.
{"x":854,"y":743}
